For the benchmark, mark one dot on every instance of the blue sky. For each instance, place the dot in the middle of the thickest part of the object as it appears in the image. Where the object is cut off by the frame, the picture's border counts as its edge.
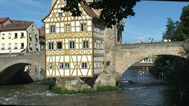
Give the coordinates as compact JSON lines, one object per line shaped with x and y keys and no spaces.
{"x":149,"y":21}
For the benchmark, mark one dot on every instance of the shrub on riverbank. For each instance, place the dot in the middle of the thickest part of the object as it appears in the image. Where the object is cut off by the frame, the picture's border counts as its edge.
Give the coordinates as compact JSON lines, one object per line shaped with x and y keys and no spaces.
{"x":107,"y":88}
{"x":59,"y":90}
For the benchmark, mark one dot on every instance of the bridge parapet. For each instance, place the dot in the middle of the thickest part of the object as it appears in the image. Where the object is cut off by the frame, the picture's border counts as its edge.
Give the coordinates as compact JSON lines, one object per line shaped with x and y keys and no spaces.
{"x":22,"y":54}
{"x":150,"y":45}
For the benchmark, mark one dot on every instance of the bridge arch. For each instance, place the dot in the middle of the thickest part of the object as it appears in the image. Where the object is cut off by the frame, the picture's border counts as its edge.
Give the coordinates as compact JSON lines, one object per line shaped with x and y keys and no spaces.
{"x":28,"y":62}
{"x":127,"y":55}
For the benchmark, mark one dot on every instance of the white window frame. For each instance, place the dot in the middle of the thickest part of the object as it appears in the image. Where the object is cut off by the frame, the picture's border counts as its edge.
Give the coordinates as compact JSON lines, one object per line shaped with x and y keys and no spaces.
{"x":2,"y":46}
{"x":84,"y":65}
{"x":9,"y":45}
{"x":67,"y":65}
{"x":61,"y":65}
{"x":72,"y":45}
{"x":15,"y":45}
{"x":3,"y":36}
{"x":9,"y":35}
{"x":85,"y":44}
{"x":50,"y":65}
{"x":51,"y":45}
{"x":52,"y":29}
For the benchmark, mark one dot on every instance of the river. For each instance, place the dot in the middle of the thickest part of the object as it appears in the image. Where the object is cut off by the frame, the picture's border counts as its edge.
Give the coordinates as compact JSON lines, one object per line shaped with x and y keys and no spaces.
{"x":146,"y":90}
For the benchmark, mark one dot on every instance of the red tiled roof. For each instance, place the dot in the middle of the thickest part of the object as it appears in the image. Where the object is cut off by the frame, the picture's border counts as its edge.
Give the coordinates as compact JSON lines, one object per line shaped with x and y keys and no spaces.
{"x":17,"y":25}
{"x":3,"y":19}
{"x":42,"y":31}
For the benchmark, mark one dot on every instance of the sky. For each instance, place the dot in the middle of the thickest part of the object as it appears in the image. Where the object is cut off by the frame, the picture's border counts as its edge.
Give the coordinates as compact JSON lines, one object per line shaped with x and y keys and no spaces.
{"x":149,"y":21}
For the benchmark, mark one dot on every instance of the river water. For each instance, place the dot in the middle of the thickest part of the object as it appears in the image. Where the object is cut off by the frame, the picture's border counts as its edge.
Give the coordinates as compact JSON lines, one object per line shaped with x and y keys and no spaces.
{"x":146,"y":90}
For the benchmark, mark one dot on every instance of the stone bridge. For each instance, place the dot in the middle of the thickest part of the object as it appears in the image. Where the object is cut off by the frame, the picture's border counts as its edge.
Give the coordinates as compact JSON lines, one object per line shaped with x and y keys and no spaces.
{"x":10,"y":64}
{"x":120,"y":58}
{"x":124,"y":56}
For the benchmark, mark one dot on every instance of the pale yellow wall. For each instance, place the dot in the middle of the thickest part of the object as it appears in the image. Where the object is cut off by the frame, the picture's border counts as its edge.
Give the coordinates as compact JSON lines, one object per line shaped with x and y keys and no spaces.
{"x":19,"y":40}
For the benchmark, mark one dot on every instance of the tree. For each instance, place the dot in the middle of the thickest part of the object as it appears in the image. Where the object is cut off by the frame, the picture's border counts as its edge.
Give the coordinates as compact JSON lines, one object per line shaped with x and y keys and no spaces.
{"x":171,"y":28}
{"x":182,"y":31}
{"x":112,"y":11}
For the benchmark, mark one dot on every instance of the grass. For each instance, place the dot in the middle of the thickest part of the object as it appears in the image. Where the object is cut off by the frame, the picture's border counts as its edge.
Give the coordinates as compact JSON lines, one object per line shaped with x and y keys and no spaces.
{"x":59,"y":90}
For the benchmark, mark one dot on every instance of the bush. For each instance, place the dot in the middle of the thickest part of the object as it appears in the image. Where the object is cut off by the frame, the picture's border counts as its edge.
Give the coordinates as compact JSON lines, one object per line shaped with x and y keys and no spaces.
{"x":59,"y":90}
{"x":107,"y":88}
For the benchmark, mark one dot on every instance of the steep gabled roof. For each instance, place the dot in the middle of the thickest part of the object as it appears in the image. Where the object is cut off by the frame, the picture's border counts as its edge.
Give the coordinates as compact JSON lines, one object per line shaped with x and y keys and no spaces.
{"x":3,"y":19}
{"x":88,"y":9}
{"x":84,"y":5}
{"x":17,"y":25}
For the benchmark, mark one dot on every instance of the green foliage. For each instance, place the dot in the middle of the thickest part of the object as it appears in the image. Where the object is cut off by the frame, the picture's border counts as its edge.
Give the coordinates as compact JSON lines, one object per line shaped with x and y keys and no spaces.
{"x":112,"y":11}
{"x":59,"y":90}
{"x":178,"y":31}
{"x":171,"y":28}
{"x":176,"y":70}
{"x":56,"y":89}
{"x":107,"y":88}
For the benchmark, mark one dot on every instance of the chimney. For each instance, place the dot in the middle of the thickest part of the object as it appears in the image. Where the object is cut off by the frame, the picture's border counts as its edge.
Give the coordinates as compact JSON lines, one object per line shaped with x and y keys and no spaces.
{"x":52,"y":2}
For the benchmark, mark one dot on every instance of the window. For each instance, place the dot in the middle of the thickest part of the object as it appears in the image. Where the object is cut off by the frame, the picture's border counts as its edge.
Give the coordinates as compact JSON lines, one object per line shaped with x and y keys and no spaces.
{"x":52,"y":30}
{"x":84,"y":65}
{"x":32,"y":27}
{"x":83,"y":27}
{"x":22,"y":35}
{"x":61,"y":65}
{"x":9,"y":45}
{"x":36,"y":38}
{"x":59,"y":45}
{"x":95,"y":45}
{"x":85,"y":44}
{"x":3,"y":46}
{"x":60,"y":14}
{"x":72,"y":45}
{"x":22,"y":46}
{"x":67,"y":65}
{"x":9,"y":35}
{"x":67,"y":28}
{"x":15,"y":35}
{"x":3,"y":36}
{"x":15,"y":46}
{"x":51,"y":46}
{"x":108,"y":63}
{"x":50,"y":66}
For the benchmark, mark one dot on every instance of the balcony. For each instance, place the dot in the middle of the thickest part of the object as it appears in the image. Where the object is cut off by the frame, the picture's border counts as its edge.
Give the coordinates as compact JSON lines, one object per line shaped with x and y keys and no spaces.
{"x":15,"y":48}
{"x":2,"y":48}
{"x":9,"y":48}
{"x":21,"y":47}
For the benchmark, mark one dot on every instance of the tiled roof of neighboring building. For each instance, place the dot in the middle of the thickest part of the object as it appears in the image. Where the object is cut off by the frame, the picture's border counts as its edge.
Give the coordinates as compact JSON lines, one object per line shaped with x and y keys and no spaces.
{"x":42,"y":31}
{"x":17,"y":25}
{"x":3,"y":19}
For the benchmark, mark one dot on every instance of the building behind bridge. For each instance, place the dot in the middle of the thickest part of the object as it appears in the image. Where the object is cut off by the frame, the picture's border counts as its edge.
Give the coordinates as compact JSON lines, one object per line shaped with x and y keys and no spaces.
{"x":17,"y":36}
